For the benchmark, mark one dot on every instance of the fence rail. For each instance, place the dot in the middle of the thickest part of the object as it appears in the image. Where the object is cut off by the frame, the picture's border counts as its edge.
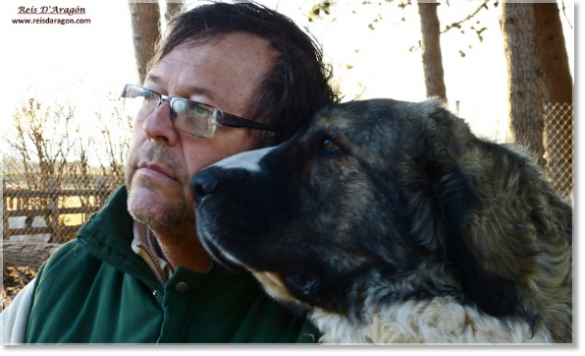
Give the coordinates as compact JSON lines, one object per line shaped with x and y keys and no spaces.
{"x":50,"y":211}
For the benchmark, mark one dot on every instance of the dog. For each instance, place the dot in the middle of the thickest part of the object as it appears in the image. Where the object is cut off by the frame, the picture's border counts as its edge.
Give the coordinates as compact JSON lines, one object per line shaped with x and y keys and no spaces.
{"x":390,"y":222}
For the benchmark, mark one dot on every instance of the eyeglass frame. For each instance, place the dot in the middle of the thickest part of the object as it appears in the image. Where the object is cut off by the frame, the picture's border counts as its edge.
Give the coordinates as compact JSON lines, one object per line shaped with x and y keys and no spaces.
{"x":216,"y":118}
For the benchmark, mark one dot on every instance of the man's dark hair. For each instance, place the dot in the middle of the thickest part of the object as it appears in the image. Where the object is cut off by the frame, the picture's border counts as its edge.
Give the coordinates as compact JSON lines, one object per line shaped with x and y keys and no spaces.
{"x":298,"y":83}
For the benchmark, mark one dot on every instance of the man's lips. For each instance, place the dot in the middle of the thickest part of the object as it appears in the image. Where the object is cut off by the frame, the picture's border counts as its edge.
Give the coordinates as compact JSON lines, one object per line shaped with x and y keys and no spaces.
{"x":155,"y":170}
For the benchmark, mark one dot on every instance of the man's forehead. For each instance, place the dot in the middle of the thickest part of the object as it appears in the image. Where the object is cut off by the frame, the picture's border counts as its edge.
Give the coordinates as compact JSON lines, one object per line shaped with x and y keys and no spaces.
{"x":224,"y":72}
{"x":192,"y":88}
{"x":235,"y":52}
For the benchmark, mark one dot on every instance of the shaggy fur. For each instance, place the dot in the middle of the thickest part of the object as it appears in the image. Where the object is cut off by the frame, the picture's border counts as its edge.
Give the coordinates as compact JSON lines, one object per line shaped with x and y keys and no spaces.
{"x":390,"y":222}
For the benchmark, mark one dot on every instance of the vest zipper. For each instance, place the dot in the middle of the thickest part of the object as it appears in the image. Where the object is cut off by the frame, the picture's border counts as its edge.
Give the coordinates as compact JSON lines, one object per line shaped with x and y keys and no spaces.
{"x":154,"y":260}
{"x":152,"y":284}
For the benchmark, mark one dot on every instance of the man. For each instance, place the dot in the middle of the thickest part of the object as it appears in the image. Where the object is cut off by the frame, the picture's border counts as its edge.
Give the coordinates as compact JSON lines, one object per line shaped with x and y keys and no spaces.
{"x":228,"y":78}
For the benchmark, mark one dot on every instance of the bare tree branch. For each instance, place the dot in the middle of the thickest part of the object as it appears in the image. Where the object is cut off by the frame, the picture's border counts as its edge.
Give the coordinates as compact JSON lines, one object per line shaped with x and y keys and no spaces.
{"x":41,"y":138}
{"x":565,"y":14}
{"x":469,"y":17}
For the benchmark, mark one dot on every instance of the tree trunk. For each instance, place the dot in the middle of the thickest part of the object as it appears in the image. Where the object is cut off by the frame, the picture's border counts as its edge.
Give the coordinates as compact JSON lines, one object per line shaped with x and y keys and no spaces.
{"x":146,"y":28}
{"x":431,"y":46}
{"x":524,"y":77}
{"x":557,"y":97}
{"x":558,"y":83}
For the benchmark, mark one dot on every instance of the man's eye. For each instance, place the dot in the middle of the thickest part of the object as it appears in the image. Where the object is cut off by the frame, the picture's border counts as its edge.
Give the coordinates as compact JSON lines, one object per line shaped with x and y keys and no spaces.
{"x":198,"y":111}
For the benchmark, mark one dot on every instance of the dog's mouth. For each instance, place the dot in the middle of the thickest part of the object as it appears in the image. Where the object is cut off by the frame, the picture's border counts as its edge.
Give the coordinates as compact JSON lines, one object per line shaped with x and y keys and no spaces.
{"x":285,"y":278}
{"x":221,"y":256}
{"x":289,"y":288}
{"x":276,"y":283}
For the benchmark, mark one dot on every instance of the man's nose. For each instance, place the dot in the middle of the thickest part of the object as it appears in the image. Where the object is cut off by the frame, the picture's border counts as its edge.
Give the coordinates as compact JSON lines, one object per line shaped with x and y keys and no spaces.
{"x":203,"y":184}
{"x":158,"y":125}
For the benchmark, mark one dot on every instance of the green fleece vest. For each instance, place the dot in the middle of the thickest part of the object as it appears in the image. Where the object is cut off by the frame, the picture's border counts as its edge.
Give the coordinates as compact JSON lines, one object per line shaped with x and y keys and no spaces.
{"x":95,"y":289}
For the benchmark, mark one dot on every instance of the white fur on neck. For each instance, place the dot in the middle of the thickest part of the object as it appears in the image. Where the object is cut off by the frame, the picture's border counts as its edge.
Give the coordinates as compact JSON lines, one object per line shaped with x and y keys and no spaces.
{"x":438,"y":321}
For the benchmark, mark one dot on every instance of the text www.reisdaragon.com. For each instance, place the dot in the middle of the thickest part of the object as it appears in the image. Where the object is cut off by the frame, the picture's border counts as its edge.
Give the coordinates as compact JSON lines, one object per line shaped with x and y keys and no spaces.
{"x":51,"y":21}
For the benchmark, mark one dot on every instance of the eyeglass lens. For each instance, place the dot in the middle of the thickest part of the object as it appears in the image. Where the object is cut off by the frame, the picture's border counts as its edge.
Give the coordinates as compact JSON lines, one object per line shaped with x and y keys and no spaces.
{"x":188,"y":116}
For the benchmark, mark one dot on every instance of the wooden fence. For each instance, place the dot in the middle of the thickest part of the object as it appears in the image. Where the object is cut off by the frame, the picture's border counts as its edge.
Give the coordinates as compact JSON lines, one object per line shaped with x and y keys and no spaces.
{"x":50,"y":208}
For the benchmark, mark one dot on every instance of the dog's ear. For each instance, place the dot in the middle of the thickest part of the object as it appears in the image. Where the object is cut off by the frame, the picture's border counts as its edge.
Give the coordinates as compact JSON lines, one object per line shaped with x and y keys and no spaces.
{"x":444,"y":202}
{"x":494,"y":294}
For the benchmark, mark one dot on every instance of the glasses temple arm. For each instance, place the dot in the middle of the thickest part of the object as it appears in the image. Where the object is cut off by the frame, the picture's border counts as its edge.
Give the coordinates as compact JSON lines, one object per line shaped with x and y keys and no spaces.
{"x":230,"y":120}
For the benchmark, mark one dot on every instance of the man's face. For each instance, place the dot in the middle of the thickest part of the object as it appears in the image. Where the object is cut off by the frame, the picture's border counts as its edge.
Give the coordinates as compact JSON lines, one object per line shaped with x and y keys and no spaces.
{"x":162,"y":159}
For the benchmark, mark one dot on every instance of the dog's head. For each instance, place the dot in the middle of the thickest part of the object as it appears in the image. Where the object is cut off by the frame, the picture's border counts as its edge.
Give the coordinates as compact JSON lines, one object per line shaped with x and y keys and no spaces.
{"x":370,"y":190}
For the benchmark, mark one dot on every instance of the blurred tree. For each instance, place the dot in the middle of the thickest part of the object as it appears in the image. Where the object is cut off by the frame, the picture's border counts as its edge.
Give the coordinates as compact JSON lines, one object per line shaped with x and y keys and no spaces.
{"x":428,"y":17}
{"x":538,"y":72}
{"x":50,"y":150}
{"x":432,"y":57}
{"x":557,"y":96}
{"x":524,"y":77}
{"x":145,"y":18}
{"x":146,"y":27}
{"x":41,"y":136}
{"x":116,"y":133}
{"x":552,"y":50}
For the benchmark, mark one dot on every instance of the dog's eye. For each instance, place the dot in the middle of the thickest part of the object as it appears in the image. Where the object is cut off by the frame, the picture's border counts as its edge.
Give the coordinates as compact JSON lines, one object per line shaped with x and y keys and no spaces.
{"x":328,"y":145}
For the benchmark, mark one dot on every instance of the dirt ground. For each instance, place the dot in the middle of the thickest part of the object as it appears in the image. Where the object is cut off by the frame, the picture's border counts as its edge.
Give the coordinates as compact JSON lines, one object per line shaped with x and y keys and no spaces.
{"x":20,"y":263}
{"x":14,"y":279}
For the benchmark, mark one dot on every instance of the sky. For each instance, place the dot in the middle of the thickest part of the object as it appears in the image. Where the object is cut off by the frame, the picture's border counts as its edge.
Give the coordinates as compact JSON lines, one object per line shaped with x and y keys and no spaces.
{"x":82,"y":63}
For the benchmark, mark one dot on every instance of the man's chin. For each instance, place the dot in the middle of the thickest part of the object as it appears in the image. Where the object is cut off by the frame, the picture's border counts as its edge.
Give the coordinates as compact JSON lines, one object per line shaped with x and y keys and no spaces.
{"x":156,"y":209}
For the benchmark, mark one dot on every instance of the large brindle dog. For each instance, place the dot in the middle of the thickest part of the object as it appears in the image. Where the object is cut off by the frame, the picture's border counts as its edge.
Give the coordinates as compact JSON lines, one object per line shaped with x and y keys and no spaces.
{"x":390,"y":222}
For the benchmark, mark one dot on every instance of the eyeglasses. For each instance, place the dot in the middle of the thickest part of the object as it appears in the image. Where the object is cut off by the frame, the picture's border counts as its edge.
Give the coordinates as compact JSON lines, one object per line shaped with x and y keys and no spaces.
{"x":189,"y":116}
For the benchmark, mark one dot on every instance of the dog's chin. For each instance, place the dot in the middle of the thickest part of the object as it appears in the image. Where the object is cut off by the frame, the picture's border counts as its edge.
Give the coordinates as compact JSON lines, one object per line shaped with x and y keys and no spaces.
{"x":229,"y":265}
{"x":223,"y":258}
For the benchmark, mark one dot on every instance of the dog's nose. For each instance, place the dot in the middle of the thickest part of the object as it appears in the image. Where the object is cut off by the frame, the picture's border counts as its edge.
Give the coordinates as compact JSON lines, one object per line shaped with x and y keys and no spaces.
{"x":202,"y":184}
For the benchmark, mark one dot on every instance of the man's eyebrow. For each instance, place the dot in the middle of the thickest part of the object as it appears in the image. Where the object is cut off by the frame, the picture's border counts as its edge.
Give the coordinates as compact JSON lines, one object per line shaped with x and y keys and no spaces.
{"x":191,"y":89}
{"x":152,"y":78}
{"x":200,"y":91}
